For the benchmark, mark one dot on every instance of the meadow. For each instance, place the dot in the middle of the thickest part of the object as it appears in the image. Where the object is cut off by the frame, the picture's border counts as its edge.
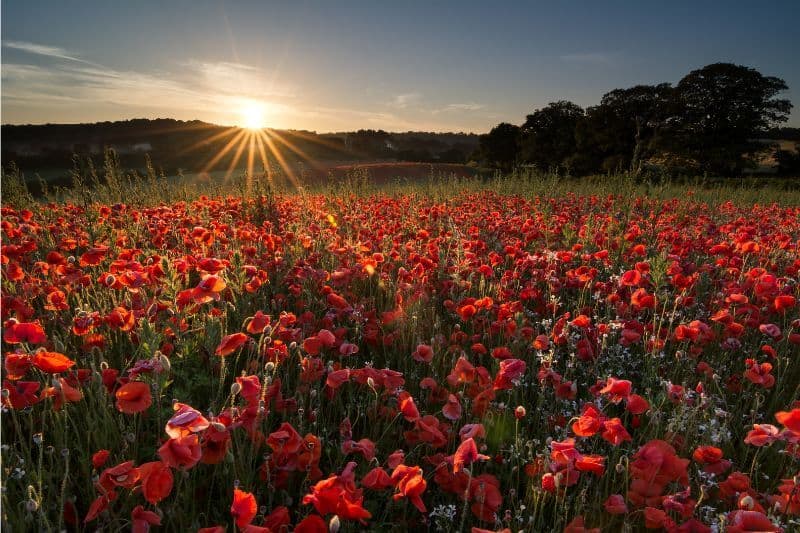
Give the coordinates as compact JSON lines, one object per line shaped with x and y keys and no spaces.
{"x":526,"y":353}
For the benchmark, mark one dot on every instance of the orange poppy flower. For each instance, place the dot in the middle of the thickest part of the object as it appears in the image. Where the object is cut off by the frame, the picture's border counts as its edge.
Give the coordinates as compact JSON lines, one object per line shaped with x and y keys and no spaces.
{"x":134,"y":397}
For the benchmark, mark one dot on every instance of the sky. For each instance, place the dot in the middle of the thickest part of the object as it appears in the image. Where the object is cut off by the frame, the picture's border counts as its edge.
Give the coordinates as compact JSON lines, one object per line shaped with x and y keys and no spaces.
{"x":344,"y":65}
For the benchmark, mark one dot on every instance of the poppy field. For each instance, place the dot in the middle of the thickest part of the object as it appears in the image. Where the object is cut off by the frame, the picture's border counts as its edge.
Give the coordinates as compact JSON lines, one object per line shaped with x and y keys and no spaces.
{"x":389,"y":362}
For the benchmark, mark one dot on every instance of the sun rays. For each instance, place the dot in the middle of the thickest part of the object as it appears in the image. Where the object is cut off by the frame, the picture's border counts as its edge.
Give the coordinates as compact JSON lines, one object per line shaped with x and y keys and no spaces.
{"x":257,"y":149}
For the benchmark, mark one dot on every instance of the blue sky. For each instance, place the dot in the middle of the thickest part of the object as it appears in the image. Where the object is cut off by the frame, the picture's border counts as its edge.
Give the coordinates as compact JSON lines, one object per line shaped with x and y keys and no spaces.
{"x":327,"y":66}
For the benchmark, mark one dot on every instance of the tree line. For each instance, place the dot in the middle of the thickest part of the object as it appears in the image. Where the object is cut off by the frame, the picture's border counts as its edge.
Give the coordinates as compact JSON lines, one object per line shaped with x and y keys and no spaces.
{"x":713,"y":121}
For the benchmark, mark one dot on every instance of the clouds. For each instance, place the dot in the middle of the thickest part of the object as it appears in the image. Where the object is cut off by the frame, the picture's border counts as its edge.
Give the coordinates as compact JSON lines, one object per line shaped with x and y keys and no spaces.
{"x":44,"y":83}
{"x":44,"y":50}
{"x":471,"y":106}
{"x":402,"y":101}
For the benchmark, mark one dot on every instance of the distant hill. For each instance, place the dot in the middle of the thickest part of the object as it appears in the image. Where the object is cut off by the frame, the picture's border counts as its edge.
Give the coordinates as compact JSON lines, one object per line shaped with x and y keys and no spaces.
{"x":192,"y":146}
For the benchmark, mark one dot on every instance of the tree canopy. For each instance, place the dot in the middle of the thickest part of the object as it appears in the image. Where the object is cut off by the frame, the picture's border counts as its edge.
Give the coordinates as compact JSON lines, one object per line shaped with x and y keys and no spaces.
{"x":709,"y":122}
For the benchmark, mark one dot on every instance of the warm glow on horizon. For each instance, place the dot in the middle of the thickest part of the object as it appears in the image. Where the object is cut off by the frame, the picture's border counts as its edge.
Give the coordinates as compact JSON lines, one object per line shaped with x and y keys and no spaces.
{"x":252,"y":115}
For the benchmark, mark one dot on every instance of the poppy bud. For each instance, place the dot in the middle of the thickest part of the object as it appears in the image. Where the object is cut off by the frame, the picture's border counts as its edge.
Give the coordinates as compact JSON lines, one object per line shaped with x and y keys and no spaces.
{"x":269,"y":367}
{"x":31,"y":506}
{"x":334,"y":524}
{"x":164,"y":362}
{"x":519,"y":412}
{"x":236,"y":388}
{"x":747,"y":502}
{"x":218,"y":427}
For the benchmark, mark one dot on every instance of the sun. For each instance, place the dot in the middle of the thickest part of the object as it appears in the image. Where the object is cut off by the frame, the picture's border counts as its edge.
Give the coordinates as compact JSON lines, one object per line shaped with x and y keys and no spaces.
{"x":252,"y":115}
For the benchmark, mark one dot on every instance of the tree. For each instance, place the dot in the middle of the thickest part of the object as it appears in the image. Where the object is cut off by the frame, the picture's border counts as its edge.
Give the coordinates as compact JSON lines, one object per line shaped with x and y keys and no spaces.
{"x":723,"y":109}
{"x":642,"y":111}
{"x":548,"y":135}
{"x":500,"y":147}
{"x":788,"y":161}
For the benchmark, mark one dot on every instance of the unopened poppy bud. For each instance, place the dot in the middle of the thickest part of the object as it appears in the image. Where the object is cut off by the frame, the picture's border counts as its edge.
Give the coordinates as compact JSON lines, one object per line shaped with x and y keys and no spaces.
{"x":164,"y":361}
{"x":110,"y":279}
{"x":371,"y":383}
{"x":334,"y":524}
{"x":103,"y":365}
{"x":747,"y":503}
{"x":71,"y":259}
{"x":236,"y":388}
{"x":620,"y":468}
{"x":293,"y":345}
{"x":31,"y":506}
{"x":268,"y":331}
{"x":520,"y":412}
{"x":218,"y":426}
{"x":269,"y":367}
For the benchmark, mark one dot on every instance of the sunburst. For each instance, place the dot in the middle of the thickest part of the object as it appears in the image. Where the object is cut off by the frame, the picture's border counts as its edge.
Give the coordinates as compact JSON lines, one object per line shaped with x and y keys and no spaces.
{"x":253,"y":143}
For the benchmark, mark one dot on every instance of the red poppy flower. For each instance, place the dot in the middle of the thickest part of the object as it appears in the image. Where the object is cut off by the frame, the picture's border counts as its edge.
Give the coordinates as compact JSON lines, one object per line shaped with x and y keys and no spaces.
{"x":21,"y":394}
{"x":183,"y":452}
{"x":156,"y":481}
{"x":750,"y":521}
{"x":311,"y":524}
{"x":712,"y":459}
{"x":577,"y":526}
{"x":17,"y":365}
{"x":23,"y":332}
{"x":790,"y":419}
{"x":230,"y":343}
{"x":452,"y":409}
{"x":134,"y":397}
{"x":408,"y":407}
{"x":614,"y":432}
{"x":186,"y":420}
{"x":410,"y":484}
{"x":99,"y":458}
{"x":466,"y":454}
{"x":589,"y":422}
{"x":423,"y":354}
{"x":376,"y":479}
{"x":244,"y":507}
{"x":615,"y":504}
{"x":52,"y":362}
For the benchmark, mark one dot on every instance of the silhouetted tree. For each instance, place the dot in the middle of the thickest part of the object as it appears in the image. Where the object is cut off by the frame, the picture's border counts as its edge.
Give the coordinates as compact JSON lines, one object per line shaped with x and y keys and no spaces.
{"x":548,"y":135}
{"x":500,"y":147}
{"x":788,"y":161}
{"x":723,"y":109}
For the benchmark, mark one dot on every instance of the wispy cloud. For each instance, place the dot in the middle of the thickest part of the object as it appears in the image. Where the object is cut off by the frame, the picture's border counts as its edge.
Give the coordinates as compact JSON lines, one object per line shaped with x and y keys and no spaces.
{"x":594,"y":58}
{"x":45,"y":50}
{"x":402,"y":101}
{"x":460,"y":107}
{"x":70,"y":88}
{"x":197,"y":88}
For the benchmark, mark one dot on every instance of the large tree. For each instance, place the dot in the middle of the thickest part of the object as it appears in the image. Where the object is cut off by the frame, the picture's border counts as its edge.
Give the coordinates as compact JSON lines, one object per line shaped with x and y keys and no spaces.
{"x":500,"y":147}
{"x":548,"y":135}
{"x":723,"y":109}
{"x":623,"y":131}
